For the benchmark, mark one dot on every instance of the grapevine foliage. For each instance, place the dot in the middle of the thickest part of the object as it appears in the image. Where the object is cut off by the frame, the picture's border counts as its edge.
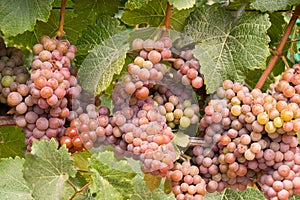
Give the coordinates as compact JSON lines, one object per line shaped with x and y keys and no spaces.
{"x":212,"y":41}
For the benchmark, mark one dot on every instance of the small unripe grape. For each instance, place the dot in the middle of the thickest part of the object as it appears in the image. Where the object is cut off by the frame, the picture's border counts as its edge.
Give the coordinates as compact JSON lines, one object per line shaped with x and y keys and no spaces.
{"x":7,"y":81}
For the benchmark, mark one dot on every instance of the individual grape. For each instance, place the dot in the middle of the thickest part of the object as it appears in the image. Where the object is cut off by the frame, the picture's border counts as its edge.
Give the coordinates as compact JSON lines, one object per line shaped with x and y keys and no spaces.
{"x":14,"y":98}
{"x":154,"y":56}
{"x":148,"y":44}
{"x":185,"y":122}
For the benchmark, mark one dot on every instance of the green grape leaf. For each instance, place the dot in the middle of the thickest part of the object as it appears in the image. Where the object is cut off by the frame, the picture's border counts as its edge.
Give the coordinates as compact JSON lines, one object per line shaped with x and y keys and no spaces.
{"x":12,"y":183}
{"x":227,"y":46}
{"x":12,"y":142}
{"x":73,"y":27}
{"x":107,"y":158}
{"x":19,"y":16}
{"x":182,"y":4}
{"x":90,"y":10}
{"x":104,"y":28}
{"x":105,"y":60}
{"x":153,"y":14}
{"x":135,"y":4}
{"x":57,"y":3}
{"x":144,"y":193}
{"x":181,"y":139}
{"x":108,"y":182}
{"x":252,"y":77}
{"x":227,"y":194}
{"x":47,"y":169}
{"x":152,"y":33}
{"x":152,"y":182}
{"x":81,"y":160}
{"x":274,"y":5}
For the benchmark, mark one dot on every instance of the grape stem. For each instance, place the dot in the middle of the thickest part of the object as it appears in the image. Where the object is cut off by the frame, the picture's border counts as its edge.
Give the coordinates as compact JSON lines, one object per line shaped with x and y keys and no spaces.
{"x":279,"y":49}
{"x":168,"y":16}
{"x":7,"y":121}
{"x":76,"y":190}
{"x":60,"y":32}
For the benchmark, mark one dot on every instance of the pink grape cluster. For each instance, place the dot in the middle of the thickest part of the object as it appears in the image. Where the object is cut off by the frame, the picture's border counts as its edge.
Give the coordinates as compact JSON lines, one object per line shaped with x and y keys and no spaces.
{"x":44,"y":111}
{"x":248,"y":133}
{"x":288,"y":87}
{"x":188,"y":67}
{"x":186,"y":182}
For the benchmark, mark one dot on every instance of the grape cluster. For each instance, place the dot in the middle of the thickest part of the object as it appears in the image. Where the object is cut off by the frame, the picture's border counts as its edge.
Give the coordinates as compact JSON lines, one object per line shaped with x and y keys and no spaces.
{"x":186,"y":181}
{"x":141,"y":132}
{"x":247,"y":134}
{"x":43,"y":113}
{"x":87,"y":130}
{"x":187,"y":67}
{"x":288,"y":87}
{"x":13,"y":74}
{"x":175,"y":102}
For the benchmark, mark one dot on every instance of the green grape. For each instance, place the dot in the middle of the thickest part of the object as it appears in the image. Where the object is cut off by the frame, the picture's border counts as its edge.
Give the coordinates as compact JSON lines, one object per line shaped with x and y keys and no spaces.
{"x":278,"y":122}
{"x":184,"y":122}
{"x":7,"y":81}
{"x":188,"y":112}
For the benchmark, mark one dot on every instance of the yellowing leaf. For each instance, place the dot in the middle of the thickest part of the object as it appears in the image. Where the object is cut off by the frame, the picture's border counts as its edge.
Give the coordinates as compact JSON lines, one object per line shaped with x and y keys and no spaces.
{"x":152,"y":182}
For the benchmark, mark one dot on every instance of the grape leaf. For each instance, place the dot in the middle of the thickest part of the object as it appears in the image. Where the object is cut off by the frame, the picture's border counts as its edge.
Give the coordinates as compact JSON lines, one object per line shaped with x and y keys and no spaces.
{"x":252,"y":77}
{"x":181,"y":139}
{"x":182,"y":4}
{"x":143,"y":192}
{"x":12,"y":142}
{"x":81,"y":160}
{"x":90,"y":10}
{"x":105,"y":60}
{"x":19,"y":16}
{"x":152,"y":33}
{"x":57,"y":3}
{"x":47,"y":168}
{"x":135,"y":4}
{"x":227,"y":194}
{"x":152,"y":182}
{"x":73,"y":26}
{"x":104,"y":27}
{"x":227,"y":46}
{"x":274,"y":5}
{"x":107,"y":158}
{"x":12,"y":183}
{"x":108,"y":182}
{"x":153,"y":14}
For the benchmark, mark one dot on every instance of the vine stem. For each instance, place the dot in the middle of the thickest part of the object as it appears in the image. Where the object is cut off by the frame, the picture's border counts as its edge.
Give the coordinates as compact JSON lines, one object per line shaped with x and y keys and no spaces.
{"x":167,"y":22}
{"x":168,"y":16}
{"x":60,"y":32}
{"x":278,"y":51}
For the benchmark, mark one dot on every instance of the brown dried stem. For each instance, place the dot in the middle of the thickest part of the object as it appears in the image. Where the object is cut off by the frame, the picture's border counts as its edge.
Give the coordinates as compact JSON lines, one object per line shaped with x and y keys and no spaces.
{"x":7,"y":121}
{"x":278,"y":50}
{"x":60,"y":32}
